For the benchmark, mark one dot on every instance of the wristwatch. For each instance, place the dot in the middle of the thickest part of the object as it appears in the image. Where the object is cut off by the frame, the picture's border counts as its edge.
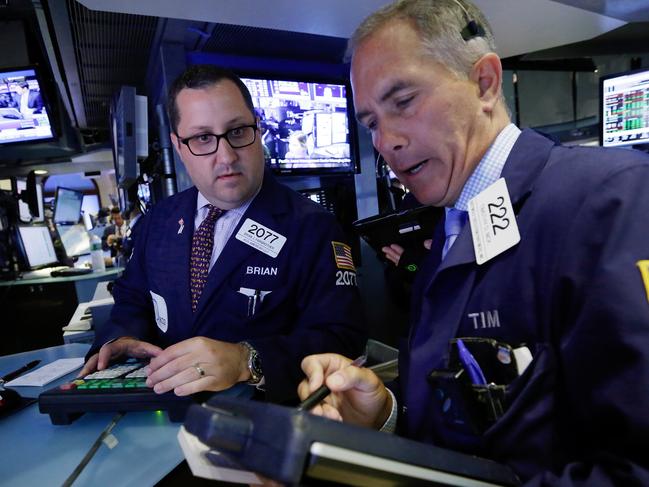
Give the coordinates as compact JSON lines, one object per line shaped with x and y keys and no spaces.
{"x":254,"y":364}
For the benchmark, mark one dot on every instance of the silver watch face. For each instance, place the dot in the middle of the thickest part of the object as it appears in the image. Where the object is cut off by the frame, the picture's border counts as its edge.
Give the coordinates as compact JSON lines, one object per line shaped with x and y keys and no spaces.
{"x":254,"y":365}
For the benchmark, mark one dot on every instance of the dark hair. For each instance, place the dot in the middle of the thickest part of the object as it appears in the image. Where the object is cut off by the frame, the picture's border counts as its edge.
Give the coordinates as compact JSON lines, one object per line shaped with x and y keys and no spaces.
{"x":202,"y":76}
{"x":114,"y":210}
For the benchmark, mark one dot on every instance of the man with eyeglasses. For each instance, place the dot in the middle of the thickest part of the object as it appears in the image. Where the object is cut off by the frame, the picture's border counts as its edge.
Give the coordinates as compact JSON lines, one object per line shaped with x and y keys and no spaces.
{"x":238,"y":278}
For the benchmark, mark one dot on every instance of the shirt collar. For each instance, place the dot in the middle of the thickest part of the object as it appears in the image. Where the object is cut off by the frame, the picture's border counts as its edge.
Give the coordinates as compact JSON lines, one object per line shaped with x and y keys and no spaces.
{"x":201,"y":202}
{"x":490,"y":166}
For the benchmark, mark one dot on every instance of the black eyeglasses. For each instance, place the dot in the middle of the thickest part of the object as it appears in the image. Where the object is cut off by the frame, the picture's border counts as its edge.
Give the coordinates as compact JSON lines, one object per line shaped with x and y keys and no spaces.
{"x":206,"y":144}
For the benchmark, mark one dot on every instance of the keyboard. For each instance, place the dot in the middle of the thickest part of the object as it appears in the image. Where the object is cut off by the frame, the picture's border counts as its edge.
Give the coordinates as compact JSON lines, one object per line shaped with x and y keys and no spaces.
{"x":41,"y":273}
{"x":71,"y":271}
{"x":120,"y":387}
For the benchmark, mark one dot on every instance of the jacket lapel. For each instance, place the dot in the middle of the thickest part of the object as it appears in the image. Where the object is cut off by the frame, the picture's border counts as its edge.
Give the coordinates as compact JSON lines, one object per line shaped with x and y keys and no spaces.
{"x":180,"y":228}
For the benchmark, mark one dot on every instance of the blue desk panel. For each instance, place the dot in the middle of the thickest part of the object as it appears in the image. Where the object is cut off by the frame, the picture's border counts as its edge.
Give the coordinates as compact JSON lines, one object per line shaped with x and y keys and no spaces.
{"x":37,"y":453}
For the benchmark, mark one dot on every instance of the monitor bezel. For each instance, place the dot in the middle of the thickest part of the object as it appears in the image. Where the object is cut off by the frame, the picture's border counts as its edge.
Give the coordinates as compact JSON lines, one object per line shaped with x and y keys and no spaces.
{"x":602,"y":79}
{"x":38,"y":73}
{"x":23,"y":251}
{"x":354,"y":166}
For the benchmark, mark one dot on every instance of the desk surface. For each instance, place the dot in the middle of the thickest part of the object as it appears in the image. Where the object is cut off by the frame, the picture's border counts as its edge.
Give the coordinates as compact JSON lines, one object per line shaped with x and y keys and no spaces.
{"x":49,"y":279}
{"x":35,"y":452}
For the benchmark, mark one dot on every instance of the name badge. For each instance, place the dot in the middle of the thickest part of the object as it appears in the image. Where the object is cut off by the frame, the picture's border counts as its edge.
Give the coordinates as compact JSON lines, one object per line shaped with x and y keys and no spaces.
{"x":493,"y":223}
{"x":160,"y":311}
{"x":260,"y":237}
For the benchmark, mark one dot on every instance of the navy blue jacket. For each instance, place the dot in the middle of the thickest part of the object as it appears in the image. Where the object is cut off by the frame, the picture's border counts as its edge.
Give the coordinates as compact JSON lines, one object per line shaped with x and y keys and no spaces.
{"x":313,"y":306}
{"x":572,"y":292}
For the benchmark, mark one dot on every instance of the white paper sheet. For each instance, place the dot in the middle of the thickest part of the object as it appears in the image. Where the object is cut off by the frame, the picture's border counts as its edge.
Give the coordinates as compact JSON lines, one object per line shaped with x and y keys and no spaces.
{"x":47,"y":373}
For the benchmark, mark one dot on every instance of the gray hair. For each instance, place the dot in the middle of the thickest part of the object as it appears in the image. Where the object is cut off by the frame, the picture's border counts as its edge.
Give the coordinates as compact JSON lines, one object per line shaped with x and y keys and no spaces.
{"x":440,"y":23}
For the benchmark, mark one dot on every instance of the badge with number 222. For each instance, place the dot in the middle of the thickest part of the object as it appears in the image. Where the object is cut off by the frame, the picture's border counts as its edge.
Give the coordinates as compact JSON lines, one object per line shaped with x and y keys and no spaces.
{"x":493,"y":223}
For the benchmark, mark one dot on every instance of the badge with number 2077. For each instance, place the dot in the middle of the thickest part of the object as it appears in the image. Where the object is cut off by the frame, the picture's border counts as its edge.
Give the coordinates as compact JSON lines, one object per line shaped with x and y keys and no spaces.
{"x":493,"y":223}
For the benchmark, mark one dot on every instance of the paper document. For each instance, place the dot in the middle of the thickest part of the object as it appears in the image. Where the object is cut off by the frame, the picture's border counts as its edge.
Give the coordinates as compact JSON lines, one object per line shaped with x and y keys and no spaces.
{"x":195,"y":453}
{"x":47,"y":373}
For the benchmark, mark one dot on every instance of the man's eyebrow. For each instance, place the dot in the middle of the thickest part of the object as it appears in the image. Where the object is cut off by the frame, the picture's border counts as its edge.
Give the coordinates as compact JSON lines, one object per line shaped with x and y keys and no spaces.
{"x":392,"y":89}
{"x":237,"y":120}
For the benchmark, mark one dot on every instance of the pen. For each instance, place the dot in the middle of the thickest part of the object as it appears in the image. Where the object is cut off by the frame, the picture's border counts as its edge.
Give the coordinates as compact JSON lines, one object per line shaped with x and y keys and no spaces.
{"x":20,"y":371}
{"x":323,"y":391}
{"x":470,"y":364}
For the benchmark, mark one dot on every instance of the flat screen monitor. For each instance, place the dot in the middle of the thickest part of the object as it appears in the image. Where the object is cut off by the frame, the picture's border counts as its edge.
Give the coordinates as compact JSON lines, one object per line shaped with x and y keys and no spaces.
{"x":36,"y":214}
{"x":41,"y":209}
{"x":624,"y":109}
{"x":23,"y":208}
{"x":67,"y":205}
{"x":24,"y":115}
{"x":304,"y":125}
{"x":129,"y":133}
{"x":74,"y":238}
{"x":36,"y":245}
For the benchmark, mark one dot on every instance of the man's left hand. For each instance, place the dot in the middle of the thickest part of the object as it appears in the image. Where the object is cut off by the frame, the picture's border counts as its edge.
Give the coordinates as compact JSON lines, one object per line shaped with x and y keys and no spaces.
{"x":198,"y":364}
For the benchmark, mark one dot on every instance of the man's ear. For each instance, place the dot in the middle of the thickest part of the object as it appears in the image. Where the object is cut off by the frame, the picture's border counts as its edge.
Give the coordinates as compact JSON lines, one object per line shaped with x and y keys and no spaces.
{"x":175,"y":140}
{"x":487,"y":74}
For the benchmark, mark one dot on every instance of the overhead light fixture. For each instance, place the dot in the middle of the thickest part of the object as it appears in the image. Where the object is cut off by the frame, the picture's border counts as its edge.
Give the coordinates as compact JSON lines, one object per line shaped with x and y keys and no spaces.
{"x":40,"y":172}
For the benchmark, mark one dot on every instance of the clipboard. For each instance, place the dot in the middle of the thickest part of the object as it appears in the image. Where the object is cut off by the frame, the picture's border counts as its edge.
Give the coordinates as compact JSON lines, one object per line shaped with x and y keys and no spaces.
{"x":408,"y":228}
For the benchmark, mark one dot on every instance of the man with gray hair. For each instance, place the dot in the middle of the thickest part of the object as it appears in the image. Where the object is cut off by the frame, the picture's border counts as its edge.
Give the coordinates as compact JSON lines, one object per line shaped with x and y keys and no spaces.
{"x":530,"y":316}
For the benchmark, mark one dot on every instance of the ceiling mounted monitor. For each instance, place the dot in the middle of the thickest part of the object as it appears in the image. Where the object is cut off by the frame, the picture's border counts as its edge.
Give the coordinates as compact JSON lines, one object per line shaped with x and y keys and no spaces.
{"x":24,"y":112}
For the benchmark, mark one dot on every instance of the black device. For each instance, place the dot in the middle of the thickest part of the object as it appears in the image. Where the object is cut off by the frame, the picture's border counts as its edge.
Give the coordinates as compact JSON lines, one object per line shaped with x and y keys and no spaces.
{"x":408,"y":228}
{"x":298,"y":448}
{"x":121,"y":387}
{"x":71,"y":271}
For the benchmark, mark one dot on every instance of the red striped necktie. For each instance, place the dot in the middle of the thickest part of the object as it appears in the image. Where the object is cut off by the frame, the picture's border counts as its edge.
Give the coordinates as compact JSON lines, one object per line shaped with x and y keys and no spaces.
{"x":199,"y":262}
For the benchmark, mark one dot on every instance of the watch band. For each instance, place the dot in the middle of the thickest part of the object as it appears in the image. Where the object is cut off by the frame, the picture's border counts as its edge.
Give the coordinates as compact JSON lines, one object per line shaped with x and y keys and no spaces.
{"x":254,"y":364}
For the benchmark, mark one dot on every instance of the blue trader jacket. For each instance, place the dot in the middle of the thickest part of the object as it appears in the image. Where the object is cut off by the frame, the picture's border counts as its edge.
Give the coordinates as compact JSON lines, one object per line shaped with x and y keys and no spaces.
{"x":308,"y":300}
{"x":573,"y":292}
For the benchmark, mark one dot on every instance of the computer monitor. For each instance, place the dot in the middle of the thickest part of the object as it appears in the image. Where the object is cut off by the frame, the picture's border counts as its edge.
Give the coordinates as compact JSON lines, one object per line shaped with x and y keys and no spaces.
{"x":67,"y":205}
{"x":36,"y":247}
{"x":40,"y":217}
{"x":305,"y":127}
{"x":24,"y":112}
{"x":30,"y":198}
{"x":74,"y":238}
{"x":624,"y":108}
{"x":23,"y":208}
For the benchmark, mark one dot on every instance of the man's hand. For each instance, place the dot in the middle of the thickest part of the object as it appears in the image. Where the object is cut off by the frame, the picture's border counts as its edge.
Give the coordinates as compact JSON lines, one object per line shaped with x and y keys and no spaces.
{"x":393,"y":252}
{"x":357,"y":395}
{"x":111,"y":239}
{"x":179,"y":367}
{"x":122,"y":347}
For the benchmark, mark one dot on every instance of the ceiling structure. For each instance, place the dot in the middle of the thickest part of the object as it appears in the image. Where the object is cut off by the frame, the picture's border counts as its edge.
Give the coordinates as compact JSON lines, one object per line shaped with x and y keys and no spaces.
{"x":95,"y":46}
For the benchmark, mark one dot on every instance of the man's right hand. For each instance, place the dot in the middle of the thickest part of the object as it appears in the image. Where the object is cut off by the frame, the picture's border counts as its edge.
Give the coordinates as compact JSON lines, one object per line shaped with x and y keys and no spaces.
{"x":357,"y":396}
{"x":122,"y":347}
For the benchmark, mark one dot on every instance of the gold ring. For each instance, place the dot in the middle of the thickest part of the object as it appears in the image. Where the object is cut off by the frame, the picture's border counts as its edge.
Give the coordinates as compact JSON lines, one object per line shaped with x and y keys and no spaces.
{"x":200,"y":371}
